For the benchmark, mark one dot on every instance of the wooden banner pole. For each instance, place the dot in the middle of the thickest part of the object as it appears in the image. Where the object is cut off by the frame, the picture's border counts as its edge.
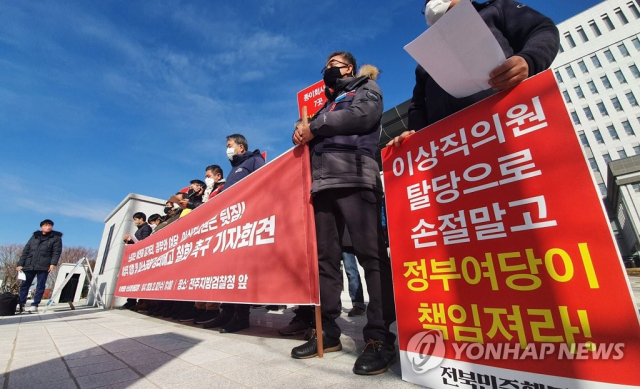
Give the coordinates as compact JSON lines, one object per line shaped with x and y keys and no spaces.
{"x":319,"y":331}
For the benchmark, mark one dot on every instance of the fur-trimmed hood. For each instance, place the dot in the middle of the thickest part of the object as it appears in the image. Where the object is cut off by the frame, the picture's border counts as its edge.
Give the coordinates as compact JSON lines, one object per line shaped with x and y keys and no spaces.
{"x":369,"y":71}
{"x":52,"y":233}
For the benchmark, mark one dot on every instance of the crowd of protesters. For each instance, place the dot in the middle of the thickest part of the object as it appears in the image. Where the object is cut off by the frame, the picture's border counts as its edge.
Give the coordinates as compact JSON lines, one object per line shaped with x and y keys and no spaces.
{"x":346,"y":188}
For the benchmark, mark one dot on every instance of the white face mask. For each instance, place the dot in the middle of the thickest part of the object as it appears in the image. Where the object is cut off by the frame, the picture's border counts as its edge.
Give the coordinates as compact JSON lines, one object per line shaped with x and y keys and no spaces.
{"x":435,"y":9}
{"x":230,"y":153}
{"x":209,"y":181}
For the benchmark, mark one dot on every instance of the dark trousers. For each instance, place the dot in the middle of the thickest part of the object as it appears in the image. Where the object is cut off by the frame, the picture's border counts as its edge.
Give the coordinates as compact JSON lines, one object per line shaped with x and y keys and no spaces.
{"x":353,"y":277}
{"x":241,"y":311}
{"x":40,"y":285}
{"x":358,"y":210}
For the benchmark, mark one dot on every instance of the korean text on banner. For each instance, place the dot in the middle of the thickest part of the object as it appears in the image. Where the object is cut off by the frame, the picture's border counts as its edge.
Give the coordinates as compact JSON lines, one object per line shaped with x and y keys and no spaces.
{"x":253,"y":243}
{"x":313,"y":98}
{"x":505,"y":269}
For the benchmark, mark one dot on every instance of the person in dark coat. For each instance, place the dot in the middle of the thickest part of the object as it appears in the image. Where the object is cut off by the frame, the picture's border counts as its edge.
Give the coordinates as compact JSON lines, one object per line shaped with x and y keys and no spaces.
{"x":529,"y":40}
{"x":144,"y":229}
{"x":39,"y":257}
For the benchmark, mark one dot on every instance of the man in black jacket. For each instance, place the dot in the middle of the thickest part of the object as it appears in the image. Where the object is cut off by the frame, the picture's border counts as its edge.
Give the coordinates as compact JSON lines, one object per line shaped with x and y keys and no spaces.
{"x":39,"y":257}
{"x":530,"y":42}
{"x":347,"y":193}
{"x":144,"y":229}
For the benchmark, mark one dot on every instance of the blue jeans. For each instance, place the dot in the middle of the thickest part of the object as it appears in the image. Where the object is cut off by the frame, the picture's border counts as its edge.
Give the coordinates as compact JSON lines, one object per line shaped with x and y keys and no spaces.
{"x":41,"y":284}
{"x":355,"y":284}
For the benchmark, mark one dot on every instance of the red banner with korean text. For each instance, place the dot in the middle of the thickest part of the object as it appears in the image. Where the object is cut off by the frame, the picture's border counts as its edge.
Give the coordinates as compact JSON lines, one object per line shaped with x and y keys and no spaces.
{"x":312,"y":97}
{"x":505,"y":269}
{"x":253,"y":243}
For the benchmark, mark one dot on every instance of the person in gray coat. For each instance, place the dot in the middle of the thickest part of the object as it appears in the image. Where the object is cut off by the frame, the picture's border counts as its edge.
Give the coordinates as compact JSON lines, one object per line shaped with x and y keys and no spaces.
{"x":39,"y":257}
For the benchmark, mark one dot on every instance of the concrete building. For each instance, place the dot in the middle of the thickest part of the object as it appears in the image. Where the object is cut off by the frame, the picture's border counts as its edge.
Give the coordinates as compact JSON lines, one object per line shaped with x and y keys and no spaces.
{"x":117,"y":224}
{"x":598,"y":73}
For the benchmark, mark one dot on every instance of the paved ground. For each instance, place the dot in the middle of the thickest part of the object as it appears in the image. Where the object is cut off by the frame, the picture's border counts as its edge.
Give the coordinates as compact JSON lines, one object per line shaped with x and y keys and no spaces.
{"x":93,"y":348}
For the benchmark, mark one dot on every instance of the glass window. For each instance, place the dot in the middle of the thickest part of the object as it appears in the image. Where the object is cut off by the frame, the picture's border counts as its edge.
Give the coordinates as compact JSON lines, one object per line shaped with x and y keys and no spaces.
{"x":606,"y":82}
{"x":569,"y":38}
{"x":634,"y":71}
{"x":609,"y":56}
{"x":636,"y":43}
{"x":598,"y":136}
{"x":603,"y":189}
{"x":627,"y":128}
{"x":634,"y":10}
{"x":621,"y":17}
{"x":636,"y":150}
{"x":583,"y":67}
{"x":594,"y":28}
{"x":560,"y":49}
{"x":592,"y":87}
{"x":558,"y":76}
{"x":636,"y":187}
{"x":608,"y":23}
{"x":602,"y":109}
{"x":632,"y":99}
{"x":616,"y":103}
{"x":583,"y":139}
{"x":594,"y":165}
{"x":567,"y":98}
{"x":612,"y":132}
{"x":606,"y":157}
{"x":623,"y":50}
{"x":574,"y":116}
{"x":106,"y":250}
{"x":622,"y":153}
{"x":588,"y":113}
{"x":579,"y":92}
{"x":570,"y":71}
{"x":582,"y":34}
{"x":596,"y":61}
{"x":620,"y":76}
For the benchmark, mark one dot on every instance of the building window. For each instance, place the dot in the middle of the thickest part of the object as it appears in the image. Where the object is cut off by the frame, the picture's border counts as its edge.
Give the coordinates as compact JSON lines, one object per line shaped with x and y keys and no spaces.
{"x":616,"y":103}
{"x":570,"y":72}
{"x":620,"y":77}
{"x":558,"y":76}
{"x":608,"y":23}
{"x":603,"y":190}
{"x":567,"y":98}
{"x":106,"y":250}
{"x":569,"y":38}
{"x":622,"y":153}
{"x":634,"y":10}
{"x":592,"y":87}
{"x":602,"y":109}
{"x":583,"y":67}
{"x":588,"y":113}
{"x":634,"y":70}
{"x":627,"y":128}
{"x":636,"y":187}
{"x":583,"y":139}
{"x":598,"y":136}
{"x":594,"y":165}
{"x":612,"y":132}
{"x":621,"y":17}
{"x":596,"y":61}
{"x":607,"y":158}
{"x":560,"y":49}
{"x":606,"y":82}
{"x":578,"y":90}
{"x":609,"y":56}
{"x":623,"y":50}
{"x":636,"y":150}
{"x":632,"y":99}
{"x":582,"y":34}
{"x":636,"y":43}
{"x":575,"y":118}
{"x":594,"y":28}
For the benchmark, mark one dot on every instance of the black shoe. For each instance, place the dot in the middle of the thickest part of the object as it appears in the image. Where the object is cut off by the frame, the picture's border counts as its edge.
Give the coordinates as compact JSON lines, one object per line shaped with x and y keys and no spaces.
{"x":310,"y":349}
{"x":222,"y":320}
{"x":189,"y":315}
{"x":376,"y":358}
{"x":309,"y":332}
{"x":357,"y":311}
{"x":296,"y":326}
{"x":206,"y":317}
{"x":235,"y":325}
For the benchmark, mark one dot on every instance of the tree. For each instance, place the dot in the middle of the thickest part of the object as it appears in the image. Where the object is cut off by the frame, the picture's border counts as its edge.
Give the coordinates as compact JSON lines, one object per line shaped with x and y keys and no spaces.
{"x":9,"y":257}
{"x":72,"y":255}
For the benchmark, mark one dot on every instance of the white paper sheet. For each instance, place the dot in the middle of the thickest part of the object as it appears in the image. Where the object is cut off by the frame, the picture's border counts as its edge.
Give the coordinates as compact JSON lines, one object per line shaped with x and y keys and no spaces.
{"x":458,"y":51}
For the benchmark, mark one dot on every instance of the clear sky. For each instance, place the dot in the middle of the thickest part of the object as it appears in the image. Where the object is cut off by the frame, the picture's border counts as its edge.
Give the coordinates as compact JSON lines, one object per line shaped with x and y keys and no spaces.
{"x":99,"y":99}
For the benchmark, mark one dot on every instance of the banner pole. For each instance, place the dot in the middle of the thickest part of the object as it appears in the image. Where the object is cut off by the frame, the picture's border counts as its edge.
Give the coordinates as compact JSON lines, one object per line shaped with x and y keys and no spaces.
{"x":305,"y":118}
{"x":319,"y":331}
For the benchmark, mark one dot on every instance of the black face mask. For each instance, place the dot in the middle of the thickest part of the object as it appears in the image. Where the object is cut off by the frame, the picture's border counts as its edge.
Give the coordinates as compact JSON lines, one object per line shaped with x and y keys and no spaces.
{"x":332,"y":75}
{"x":167,"y":210}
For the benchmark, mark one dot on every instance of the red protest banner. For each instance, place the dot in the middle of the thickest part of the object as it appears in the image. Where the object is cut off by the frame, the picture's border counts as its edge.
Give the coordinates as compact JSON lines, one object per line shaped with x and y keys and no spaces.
{"x":505,"y":269}
{"x":312,"y":97}
{"x":253,"y":243}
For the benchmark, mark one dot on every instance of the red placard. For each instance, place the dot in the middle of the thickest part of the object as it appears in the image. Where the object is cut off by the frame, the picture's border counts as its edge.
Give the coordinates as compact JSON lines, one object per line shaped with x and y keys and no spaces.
{"x":253,"y":243}
{"x":312,"y":97}
{"x":504,"y":263}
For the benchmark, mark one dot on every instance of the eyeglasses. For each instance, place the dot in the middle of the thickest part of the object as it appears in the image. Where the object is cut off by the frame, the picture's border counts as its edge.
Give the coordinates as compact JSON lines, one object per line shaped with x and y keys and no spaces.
{"x":424,"y":7}
{"x":333,"y":65}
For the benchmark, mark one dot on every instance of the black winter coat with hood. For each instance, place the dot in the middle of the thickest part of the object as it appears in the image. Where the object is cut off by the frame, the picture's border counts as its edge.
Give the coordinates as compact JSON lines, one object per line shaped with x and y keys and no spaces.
{"x":41,"y":251}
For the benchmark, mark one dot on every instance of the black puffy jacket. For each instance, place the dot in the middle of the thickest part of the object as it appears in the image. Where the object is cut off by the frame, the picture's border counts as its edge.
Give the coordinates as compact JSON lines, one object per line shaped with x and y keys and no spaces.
{"x":41,"y":251}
